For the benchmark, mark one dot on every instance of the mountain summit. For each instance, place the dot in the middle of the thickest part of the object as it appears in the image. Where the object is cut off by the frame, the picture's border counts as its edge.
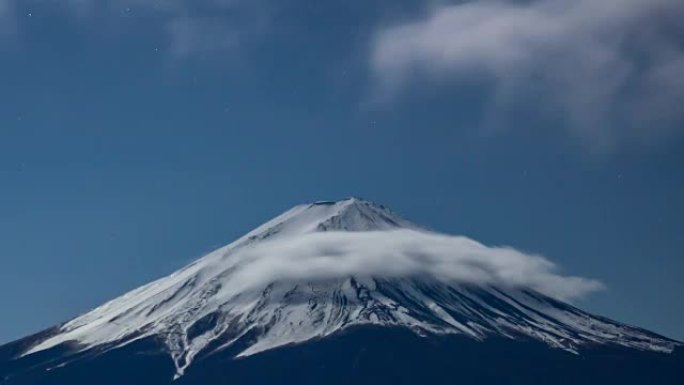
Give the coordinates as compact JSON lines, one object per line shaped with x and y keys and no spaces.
{"x":319,"y":272}
{"x":351,"y":214}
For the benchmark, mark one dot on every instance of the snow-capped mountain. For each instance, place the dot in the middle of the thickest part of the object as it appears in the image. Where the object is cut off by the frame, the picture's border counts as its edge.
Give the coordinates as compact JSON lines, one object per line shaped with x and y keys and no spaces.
{"x":213,"y":307}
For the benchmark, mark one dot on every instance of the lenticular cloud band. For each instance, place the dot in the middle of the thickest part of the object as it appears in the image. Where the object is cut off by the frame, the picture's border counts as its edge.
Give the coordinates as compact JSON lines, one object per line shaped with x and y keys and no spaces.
{"x":400,"y":254}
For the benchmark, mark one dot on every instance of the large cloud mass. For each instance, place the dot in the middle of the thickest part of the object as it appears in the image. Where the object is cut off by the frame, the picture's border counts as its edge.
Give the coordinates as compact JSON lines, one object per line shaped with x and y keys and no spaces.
{"x":610,"y":69}
{"x":398,"y":254}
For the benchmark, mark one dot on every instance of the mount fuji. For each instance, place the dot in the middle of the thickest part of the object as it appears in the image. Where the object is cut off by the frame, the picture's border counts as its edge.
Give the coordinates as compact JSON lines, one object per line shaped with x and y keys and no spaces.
{"x":348,"y":292}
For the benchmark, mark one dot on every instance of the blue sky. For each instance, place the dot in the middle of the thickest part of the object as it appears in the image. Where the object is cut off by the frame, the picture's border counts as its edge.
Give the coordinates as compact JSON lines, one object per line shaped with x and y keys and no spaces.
{"x":137,"y":135}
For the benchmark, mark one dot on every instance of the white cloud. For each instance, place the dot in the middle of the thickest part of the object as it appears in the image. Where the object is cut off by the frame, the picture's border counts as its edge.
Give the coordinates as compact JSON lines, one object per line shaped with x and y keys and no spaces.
{"x":611,"y":69}
{"x":397,"y":254}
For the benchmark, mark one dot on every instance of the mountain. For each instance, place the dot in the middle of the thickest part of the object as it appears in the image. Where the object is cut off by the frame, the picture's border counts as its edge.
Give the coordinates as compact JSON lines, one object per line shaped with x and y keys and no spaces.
{"x":259,"y":311}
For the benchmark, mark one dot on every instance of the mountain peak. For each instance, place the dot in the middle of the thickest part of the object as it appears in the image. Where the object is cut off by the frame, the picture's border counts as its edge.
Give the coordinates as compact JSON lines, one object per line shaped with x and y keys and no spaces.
{"x":357,"y":214}
{"x":349,"y":214}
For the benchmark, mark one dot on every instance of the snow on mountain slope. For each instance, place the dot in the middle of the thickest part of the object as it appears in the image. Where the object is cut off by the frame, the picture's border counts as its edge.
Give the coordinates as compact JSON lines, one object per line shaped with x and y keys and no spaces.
{"x":263,"y":290}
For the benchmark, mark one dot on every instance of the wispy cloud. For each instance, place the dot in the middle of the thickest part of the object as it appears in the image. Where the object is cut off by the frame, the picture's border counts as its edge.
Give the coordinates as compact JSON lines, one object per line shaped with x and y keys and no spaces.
{"x":193,"y":35}
{"x":610,"y":70}
{"x":398,"y":254}
{"x":7,"y":18}
{"x":190,"y":26}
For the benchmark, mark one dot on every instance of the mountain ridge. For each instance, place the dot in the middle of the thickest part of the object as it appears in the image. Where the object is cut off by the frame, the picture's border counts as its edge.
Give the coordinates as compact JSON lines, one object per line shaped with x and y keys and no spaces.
{"x":199,"y":310}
